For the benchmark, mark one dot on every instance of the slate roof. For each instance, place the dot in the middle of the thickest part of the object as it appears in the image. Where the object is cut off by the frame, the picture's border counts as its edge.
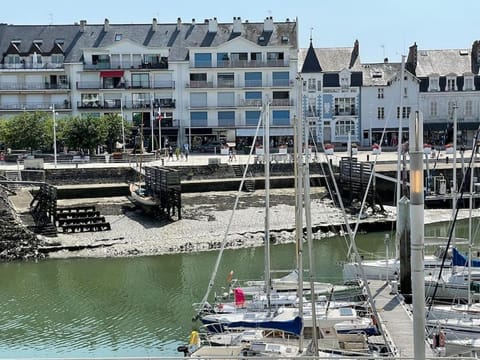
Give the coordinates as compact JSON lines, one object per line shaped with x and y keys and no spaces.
{"x":332,"y":59}
{"x":388,"y":71}
{"x":443,"y":62}
{"x":165,"y":36}
{"x":310,"y":63}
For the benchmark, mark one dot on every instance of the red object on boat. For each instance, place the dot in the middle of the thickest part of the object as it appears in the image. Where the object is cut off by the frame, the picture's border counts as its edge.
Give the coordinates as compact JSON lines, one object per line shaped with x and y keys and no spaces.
{"x":239,"y":296}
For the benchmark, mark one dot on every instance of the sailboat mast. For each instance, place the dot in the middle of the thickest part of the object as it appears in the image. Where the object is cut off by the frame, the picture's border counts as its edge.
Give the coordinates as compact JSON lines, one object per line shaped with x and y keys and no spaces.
{"x":266,"y":147}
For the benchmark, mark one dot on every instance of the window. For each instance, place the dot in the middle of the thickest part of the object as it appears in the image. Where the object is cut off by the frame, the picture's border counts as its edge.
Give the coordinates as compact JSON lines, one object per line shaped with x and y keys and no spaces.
{"x":281,"y":78}
{"x":405,"y":112}
{"x":226,"y":118}
{"x":381,"y":113}
{"x":226,"y":99}
{"x":380,"y":93}
{"x":102,"y":61}
{"x":140,"y":80}
{"x":281,"y":117}
{"x":203,"y":60}
{"x":140,"y":100}
{"x":405,"y":92}
{"x":239,"y":58}
{"x":281,"y":98}
{"x":253,"y":79}
{"x":345,"y":106}
{"x":13,"y":59}
{"x":468,"y":84}
{"x":468,"y":108}
{"x":198,"y":100}
{"x":252,"y":117}
{"x":225,"y":80}
{"x":256,"y":57}
{"x":275,"y":58}
{"x":343,"y":128}
{"x":312,"y":85}
{"x":118,"y":37}
{"x":433,"y":84}
{"x":90,"y":101}
{"x":198,"y":80}
{"x":450,"y":84}
{"x":433,"y":109}
{"x":222,"y":59}
{"x":451,"y":107}
{"x":253,"y":98}
{"x":57,"y":58}
{"x":199,"y":119}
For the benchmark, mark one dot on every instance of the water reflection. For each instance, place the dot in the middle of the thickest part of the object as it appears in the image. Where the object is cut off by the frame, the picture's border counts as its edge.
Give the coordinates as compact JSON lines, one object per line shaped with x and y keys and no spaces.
{"x":136,"y":306}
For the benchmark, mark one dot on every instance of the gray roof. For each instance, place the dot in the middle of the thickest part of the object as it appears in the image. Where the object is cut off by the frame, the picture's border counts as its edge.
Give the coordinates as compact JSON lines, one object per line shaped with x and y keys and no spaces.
{"x":443,"y":62}
{"x":380,"y":74}
{"x":332,"y":59}
{"x":165,"y":36}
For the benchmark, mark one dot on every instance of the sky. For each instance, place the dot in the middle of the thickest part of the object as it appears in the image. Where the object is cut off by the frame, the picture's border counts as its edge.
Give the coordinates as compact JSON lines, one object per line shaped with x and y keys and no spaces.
{"x":384,"y":28}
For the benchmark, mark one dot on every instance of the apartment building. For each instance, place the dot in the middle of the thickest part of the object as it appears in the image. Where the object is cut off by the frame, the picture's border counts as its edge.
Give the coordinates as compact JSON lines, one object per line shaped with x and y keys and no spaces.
{"x":179,"y":82}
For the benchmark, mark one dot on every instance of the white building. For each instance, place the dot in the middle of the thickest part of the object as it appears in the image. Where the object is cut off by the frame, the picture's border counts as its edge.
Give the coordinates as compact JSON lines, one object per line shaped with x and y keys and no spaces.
{"x":386,"y":103}
{"x":208,"y":80}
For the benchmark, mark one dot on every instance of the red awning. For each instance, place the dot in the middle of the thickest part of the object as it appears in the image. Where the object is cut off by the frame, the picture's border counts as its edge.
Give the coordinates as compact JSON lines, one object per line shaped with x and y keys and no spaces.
{"x":112,"y":73}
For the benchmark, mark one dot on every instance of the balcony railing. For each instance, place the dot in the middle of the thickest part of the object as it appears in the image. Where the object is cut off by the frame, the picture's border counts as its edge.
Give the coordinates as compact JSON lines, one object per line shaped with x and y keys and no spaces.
{"x":31,"y":66}
{"x":282,"y":102}
{"x":200,"y":84}
{"x":35,"y":106}
{"x":33,"y":86}
{"x":117,"y":104}
{"x":125,"y":65}
{"x":127,"y":85}
{"x":242,"y":64}
{"x":239,"y":85}
{"x":251,"y":103}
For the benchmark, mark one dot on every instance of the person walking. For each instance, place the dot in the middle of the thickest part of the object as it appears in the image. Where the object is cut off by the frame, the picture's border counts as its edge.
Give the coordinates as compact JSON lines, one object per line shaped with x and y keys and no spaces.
{"x":170,"y":153}
{"x":186,"y":151}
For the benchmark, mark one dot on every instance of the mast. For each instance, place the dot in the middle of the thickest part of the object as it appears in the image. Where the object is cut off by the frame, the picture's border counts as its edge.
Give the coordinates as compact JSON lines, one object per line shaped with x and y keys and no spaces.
{"x":266,"y":147}
{"x":417,"y":233}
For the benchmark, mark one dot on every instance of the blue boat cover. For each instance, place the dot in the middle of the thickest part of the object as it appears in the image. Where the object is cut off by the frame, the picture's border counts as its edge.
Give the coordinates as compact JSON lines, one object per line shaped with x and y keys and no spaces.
{"x":459,"y":259}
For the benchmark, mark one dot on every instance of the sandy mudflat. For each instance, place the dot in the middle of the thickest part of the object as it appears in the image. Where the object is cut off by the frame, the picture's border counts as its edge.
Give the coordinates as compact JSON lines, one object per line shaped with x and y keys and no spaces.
{"x":206,"y":217}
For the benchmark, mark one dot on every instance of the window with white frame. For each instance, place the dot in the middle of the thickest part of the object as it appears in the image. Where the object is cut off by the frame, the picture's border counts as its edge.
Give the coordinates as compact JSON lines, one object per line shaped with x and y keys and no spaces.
{"x":433,"y":108}
{"x":405,"y":112}
{"x":312,"y":84}
{"x":451,"y":107}
{"x":468,"y":108}
{"x":468,"y":83}
{"x":380,"y":93}
{"x":381,"y":112}
{"x":405,"y":92}
{"x":433,"y":83}
{"x":345,"y":106}
{"x":345,"y":128}
{"x":451,"y":84}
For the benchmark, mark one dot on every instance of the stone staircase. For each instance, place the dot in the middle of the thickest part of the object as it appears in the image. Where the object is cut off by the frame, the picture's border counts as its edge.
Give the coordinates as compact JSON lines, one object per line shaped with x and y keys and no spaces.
{"x":249,"y":183}
{"x":80,"y":219}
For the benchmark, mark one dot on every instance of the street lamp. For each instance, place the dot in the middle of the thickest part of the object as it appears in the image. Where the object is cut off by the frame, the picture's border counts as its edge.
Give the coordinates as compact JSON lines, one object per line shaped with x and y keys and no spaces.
{"x":54,"y":135}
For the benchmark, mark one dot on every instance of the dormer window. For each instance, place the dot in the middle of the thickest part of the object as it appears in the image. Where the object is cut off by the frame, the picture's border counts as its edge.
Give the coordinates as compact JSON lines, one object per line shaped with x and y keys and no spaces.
{"x":433,"y":83}
{"x":344,"y":79}
{"x":380,"y":93}
{"x":468,"y":83}
{"x":451,"y":84}
{"x":118,"y":37}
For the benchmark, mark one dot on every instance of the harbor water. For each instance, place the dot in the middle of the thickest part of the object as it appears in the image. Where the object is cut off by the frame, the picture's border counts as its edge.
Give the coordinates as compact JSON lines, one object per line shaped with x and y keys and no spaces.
{"x":138,"y":306}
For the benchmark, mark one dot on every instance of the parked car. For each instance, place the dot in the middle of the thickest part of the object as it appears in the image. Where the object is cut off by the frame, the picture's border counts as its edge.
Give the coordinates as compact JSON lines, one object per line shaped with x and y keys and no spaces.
{"x":213,"y":146}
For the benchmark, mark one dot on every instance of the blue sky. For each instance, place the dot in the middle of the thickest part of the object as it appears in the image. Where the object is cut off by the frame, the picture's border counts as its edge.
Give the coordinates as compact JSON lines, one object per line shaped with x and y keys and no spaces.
{"x":384,"y":28}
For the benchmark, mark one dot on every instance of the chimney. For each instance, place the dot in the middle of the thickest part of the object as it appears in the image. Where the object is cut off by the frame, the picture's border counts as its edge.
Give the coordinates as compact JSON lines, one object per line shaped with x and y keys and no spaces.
{"x":268,"y":24}
{"x":154,"y":24}
{"x":83,"y":23}
{"x":355,"y":53}
{"x":237,"y":25}
{"x":213,"y":25}
{"x":193,"y":21}
{"x":106,"y":25}
{"x":411,"y":64}
{"x":475,"y":56}
{"x":385,"y":61}
{"x":179,"y":23}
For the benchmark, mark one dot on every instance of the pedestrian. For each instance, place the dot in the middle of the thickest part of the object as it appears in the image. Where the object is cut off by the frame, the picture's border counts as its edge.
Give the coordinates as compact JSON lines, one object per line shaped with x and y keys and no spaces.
{"x":185,"y":150}
{"x":177,"y":153}
{"x":170,"y":153}
{"x":230,"y":154}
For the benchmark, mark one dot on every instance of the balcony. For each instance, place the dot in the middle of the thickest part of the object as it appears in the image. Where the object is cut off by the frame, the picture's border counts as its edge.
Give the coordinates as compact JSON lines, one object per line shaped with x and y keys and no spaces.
{"x":282,"y":102}
{"x":126,"y":65}
{"x":251,"y":103}
{"x":33,"y":86}
{"x":243,"y":64}
{"x":85,"y":85}
{"x":200,"y":84}
{"x":35,"y":106}
{"x":31,"y":66}
{"x":164,"y":103}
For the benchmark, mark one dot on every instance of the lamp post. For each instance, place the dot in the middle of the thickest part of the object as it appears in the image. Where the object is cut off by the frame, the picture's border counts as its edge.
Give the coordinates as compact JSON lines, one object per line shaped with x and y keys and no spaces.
{"x":54,"y":135}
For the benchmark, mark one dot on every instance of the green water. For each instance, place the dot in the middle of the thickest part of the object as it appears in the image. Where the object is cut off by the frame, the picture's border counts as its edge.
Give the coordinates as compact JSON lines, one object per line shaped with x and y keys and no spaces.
{"x":133,"y":306}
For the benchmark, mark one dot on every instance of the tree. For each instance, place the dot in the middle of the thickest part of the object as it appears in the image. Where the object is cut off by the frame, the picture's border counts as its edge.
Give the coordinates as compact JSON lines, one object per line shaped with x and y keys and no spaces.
{"x":113,"y":128}
{"x":25,"y":131}
{"x":84,"y":133}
